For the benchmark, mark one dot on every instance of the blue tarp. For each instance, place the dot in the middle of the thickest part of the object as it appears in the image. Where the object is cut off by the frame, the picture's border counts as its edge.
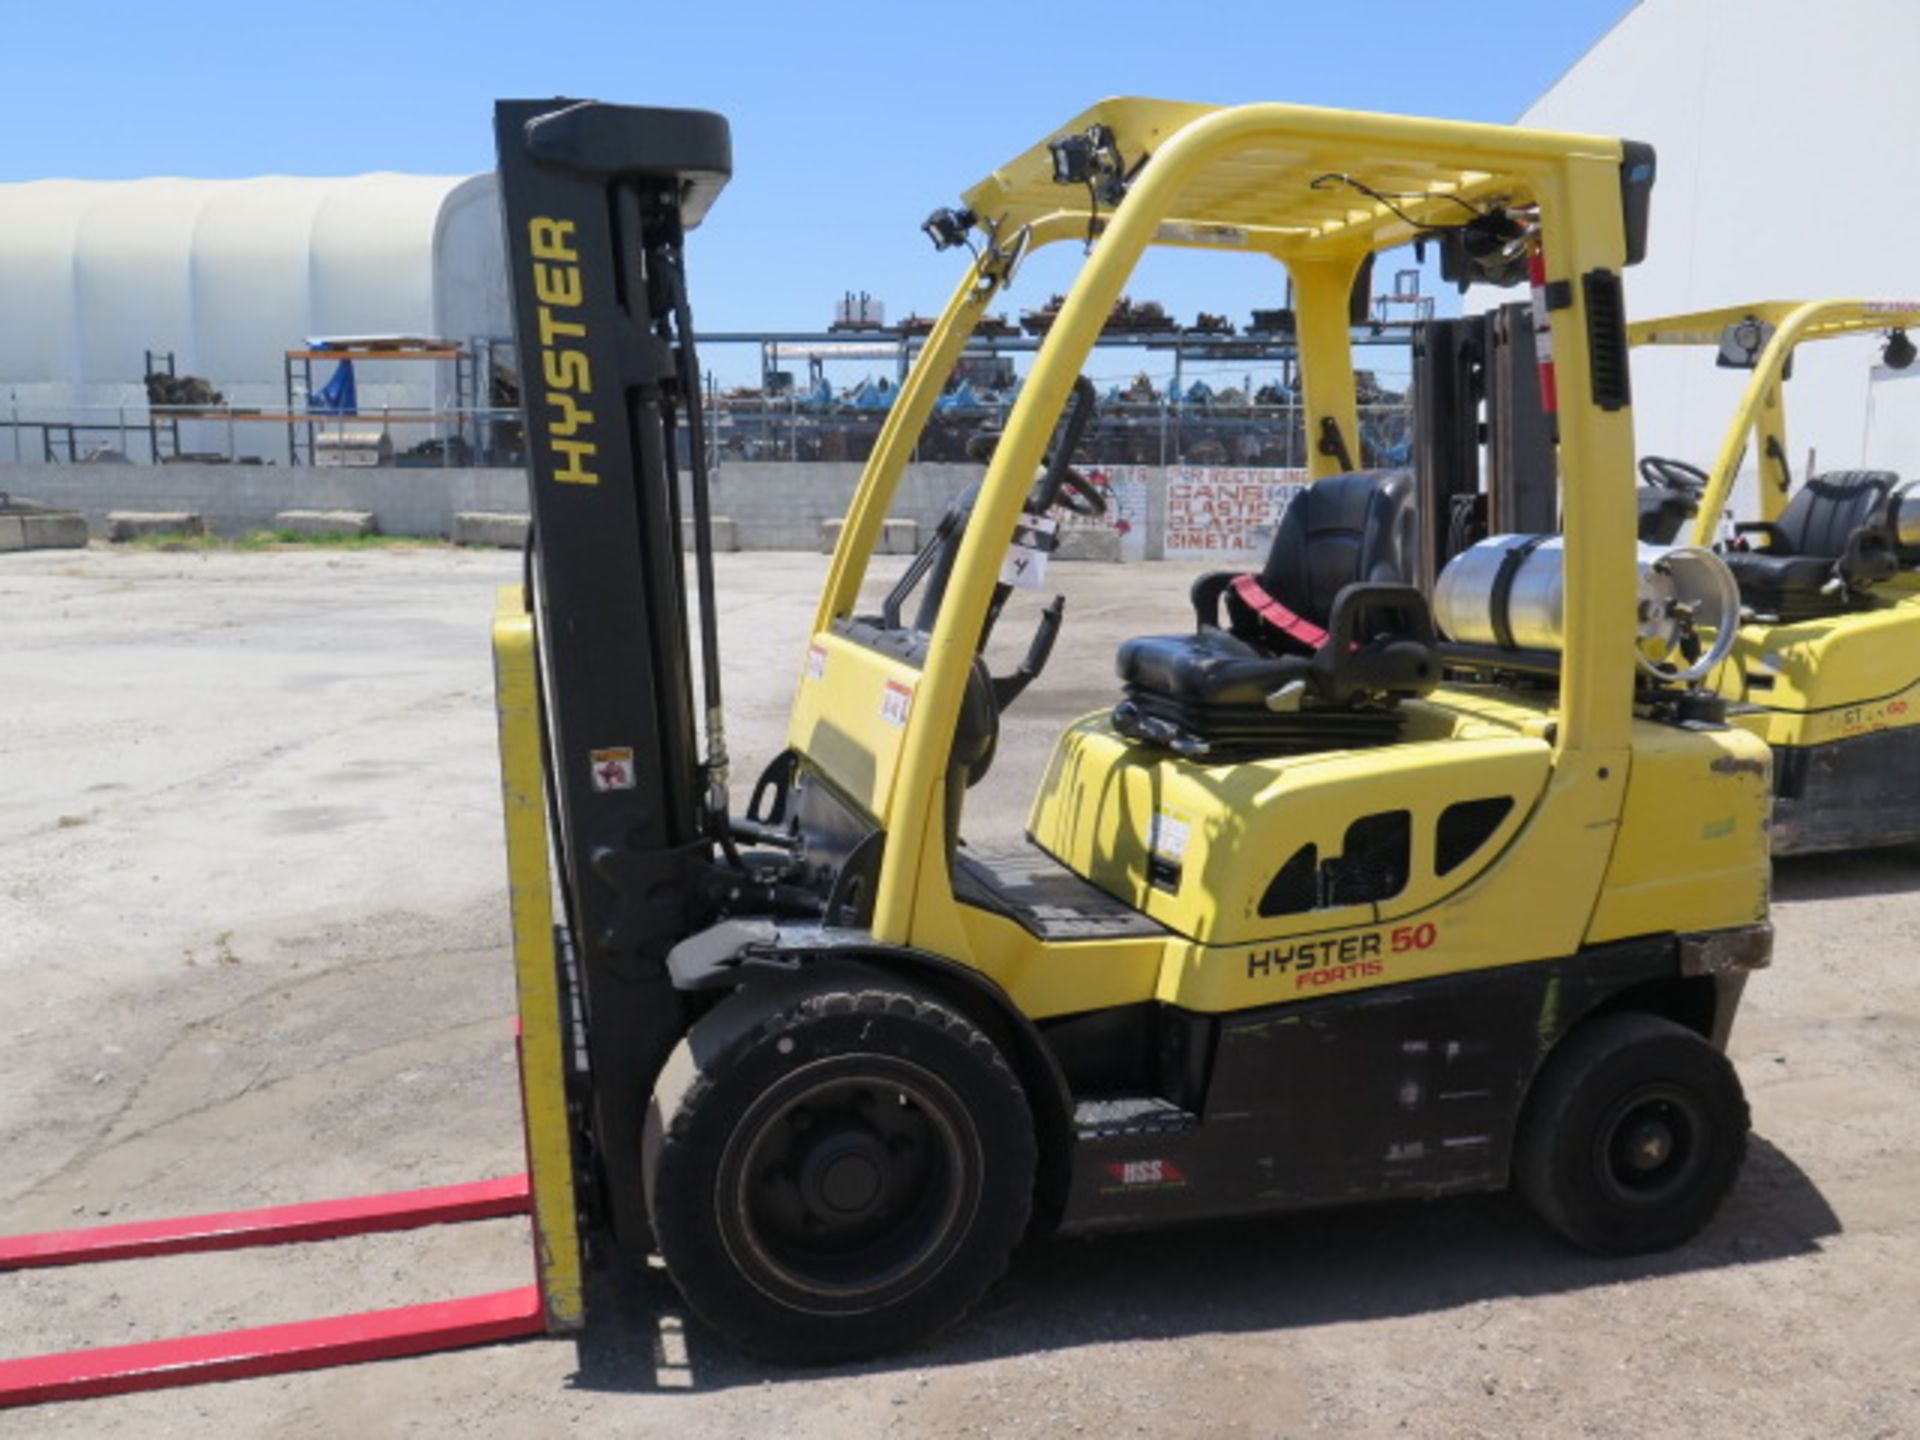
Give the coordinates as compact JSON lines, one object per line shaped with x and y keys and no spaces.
{"x":870,"y":396}
{"x":338,"y":396}
{"x":961,"y":397}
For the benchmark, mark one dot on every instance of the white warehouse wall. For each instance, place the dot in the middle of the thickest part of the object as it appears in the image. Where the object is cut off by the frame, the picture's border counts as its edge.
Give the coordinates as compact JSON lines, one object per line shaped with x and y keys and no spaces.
{"x":1781,"y":128}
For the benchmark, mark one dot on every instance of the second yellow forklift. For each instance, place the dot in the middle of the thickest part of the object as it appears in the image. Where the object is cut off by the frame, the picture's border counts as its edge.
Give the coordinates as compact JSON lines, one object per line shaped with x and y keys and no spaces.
{"x":1826,"y":666}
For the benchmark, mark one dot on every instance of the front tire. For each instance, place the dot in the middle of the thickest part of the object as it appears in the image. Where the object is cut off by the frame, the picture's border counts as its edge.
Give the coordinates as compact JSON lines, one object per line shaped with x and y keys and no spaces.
{"x":1634,"y":1133}
{"x":838,"y":1170}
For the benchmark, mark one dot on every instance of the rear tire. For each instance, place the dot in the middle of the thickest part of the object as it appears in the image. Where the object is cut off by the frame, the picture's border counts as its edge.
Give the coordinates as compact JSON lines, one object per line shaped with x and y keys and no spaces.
{"x":1634,"y":1133}
{"x":837,"y":1170}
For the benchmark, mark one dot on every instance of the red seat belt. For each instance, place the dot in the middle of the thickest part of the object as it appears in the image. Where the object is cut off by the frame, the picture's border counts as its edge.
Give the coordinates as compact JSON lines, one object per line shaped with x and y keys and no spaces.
{"x":1277,"y":615}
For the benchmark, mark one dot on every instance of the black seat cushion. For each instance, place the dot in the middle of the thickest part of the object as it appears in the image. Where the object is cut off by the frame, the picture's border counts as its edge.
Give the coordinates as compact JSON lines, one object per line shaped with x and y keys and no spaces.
{"x":1792,"y":587}
{"x":1211,"y":667}
{"x":1205,"y":695}
{"x":1832,"y":528}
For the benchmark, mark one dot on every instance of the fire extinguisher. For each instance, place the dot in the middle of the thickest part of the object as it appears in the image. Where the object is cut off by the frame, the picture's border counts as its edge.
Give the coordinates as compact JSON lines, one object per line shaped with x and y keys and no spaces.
{"x":1542,"y":329}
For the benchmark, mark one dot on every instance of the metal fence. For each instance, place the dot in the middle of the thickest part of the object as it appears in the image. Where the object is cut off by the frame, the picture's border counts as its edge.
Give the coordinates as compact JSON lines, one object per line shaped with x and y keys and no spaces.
{"x":1122,"y":433}
{"x":1162,"y":432}
{"x":252,"y":435}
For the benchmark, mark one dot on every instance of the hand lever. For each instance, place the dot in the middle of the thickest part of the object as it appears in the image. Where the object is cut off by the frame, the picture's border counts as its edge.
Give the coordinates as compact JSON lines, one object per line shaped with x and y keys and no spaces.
{"x":1008,"y":688}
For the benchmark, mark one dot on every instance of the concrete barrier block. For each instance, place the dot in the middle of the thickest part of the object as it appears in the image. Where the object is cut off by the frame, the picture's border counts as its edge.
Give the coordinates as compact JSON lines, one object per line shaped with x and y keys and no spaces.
{"x":1086,"y":543}
{"x":726,"y":534}
{"x":52,"y":530}
{"x":132,"y":524}
{"x":12,"y":536}
{"x":488,"y":527}
{"x":899,"y":537}
{"x":314,"y":523}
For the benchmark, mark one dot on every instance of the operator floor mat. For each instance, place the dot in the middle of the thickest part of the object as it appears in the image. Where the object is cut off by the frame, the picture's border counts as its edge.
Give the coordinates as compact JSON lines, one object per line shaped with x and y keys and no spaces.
{"x":1029,"y":886}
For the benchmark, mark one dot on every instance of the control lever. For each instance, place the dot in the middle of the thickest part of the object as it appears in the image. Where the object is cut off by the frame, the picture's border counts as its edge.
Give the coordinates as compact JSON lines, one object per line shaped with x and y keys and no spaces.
{"x":1008,"y":688}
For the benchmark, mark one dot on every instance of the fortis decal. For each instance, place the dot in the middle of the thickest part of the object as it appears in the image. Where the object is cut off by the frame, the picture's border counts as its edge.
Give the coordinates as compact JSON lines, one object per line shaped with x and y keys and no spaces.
{"x":563,"y":366}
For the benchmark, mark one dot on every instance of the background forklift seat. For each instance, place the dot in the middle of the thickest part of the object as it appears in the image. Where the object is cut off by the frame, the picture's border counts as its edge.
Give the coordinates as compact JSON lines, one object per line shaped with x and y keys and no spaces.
{"x":1834,"y":528}
{"x":1330,"y":625}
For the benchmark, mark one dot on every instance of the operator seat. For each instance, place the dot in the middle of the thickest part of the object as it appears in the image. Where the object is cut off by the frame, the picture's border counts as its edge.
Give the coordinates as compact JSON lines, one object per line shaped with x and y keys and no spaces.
{"x":1829,"y":544}
{"x":1317,"y":648}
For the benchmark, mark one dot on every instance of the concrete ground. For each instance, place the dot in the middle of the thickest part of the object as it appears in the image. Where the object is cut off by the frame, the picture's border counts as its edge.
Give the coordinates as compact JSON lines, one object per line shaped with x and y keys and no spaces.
{"x":253,"y":949}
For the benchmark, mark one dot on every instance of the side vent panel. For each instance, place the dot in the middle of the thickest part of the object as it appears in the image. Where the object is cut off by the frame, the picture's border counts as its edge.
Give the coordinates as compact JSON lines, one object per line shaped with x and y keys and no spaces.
{"x":1607,"y":339}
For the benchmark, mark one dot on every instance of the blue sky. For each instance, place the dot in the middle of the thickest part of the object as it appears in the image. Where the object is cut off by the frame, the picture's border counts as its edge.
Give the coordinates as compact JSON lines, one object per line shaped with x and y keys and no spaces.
{"x":850,"y":122}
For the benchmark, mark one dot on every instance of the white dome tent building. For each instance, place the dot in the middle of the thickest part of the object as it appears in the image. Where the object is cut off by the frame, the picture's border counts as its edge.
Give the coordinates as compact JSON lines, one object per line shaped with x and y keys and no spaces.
{"x":229,"y":275}
{"x":1779,"y":127}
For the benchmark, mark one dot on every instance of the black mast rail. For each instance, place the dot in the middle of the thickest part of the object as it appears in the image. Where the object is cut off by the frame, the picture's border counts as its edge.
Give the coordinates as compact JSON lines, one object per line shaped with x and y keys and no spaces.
{"x":596,"y":200}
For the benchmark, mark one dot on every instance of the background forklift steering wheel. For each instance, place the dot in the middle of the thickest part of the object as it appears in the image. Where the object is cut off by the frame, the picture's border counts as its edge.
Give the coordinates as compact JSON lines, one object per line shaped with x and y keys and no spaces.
{"x":1663,"y":473}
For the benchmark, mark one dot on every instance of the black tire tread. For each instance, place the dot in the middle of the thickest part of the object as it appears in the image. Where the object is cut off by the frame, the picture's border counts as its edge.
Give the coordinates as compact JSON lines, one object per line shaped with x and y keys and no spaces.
{"x":1560,"y":1088}
{"x":684,"y":1090}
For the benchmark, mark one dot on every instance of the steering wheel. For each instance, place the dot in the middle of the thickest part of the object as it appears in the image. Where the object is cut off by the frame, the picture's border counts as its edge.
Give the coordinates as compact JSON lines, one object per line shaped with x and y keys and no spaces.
{"x":1059,"y":475}
{"x":1058,"y":483}
{"x":1666,"y":474}
{"x":1080,"y":496}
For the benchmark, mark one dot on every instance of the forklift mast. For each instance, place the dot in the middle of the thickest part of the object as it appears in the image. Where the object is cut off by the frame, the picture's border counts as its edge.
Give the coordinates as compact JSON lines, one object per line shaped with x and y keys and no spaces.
{"x":596,"y":201}
{"x":1477,"y":388}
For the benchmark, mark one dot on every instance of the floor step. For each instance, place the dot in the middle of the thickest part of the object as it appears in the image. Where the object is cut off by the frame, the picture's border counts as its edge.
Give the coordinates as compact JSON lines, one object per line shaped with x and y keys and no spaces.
{"x":1127,"y":1115}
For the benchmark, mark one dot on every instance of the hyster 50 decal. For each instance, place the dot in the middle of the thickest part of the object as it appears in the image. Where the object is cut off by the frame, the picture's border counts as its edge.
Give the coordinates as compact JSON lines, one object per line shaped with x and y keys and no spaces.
{"x":563,"y":365}
{"x":1339,"y":958}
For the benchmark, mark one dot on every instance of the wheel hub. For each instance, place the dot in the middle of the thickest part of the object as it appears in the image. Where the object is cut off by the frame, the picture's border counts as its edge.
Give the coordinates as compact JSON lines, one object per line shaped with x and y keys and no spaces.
{"x":1649,"y":1145}
{"x":844,"y":1177}
{"x":851,"y":1180}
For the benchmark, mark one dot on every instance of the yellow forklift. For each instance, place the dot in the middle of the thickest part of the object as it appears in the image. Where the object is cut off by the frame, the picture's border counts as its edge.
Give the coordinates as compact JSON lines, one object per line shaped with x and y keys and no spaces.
{"x":1304,"y":918}
{"x":1826,"y":666}
{"x":1297,"y":924}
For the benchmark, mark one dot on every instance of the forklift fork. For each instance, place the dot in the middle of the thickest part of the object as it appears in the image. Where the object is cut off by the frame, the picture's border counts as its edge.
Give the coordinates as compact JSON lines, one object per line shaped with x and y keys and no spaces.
{"x":545,"y":1193}
{"x":272,"y":1349}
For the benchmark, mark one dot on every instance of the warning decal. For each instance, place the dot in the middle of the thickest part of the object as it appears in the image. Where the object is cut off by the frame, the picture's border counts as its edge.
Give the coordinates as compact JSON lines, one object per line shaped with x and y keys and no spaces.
{"x":895,"y":702}
{"x":613,"y":769}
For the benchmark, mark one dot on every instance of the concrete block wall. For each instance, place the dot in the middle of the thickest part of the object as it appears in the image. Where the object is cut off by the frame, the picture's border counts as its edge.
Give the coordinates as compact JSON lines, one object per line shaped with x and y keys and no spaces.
{"x":772,"y":505}
{"x":236,"y":499}
{"x":779,"y":505}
